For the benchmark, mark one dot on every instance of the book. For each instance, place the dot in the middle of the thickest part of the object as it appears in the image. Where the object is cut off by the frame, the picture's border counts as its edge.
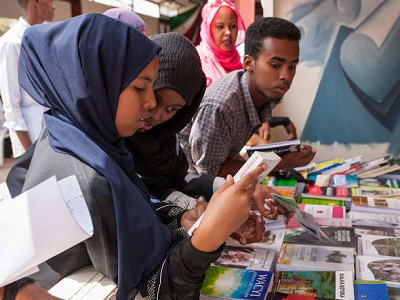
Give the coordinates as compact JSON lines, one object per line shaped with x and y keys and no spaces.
{"x":321,"y":222}
{"x":285,"y":191}
{"x":318,"y":201}
{"x":344,"y":181}
{"x":325,"y":284}
{"x":295,"y":257}
{"x":381,"y":231}
{"x":246,"y":258}
{"x":57,"y":206}
{"x":379,"y":182}
{"x":331,"y":193}
{"x":279,"y":148}
{"x":283,"y":296}
{"x":373,"y":204}
{"x":323,"y":180}
{"x":379,"y":192}
{"x":272,"y":239}
{"x":391,"y":166}
{"x":379,"y":268}
{"x":326,"y":165}
{"x":379,"y":245}
{"x":324,"y":211}
{"x":337,"y":236}
{"x":370,"y":290}
{"x":359,"y":218}
{"x":232,"y":283}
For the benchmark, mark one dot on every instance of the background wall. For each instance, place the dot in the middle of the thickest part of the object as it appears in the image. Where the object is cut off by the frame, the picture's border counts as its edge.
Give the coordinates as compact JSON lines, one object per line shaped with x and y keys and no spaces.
{"x":345,"y":99}
{"x":11,"y":9}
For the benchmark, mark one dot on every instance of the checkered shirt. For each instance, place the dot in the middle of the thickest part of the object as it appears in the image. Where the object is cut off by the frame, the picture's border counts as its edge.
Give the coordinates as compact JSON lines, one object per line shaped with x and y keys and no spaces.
{"x":224,"y":122}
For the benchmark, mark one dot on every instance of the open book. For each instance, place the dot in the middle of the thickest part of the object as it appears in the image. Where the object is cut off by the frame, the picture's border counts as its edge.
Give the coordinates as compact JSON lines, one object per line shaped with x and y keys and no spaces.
{"x":39,"y":224}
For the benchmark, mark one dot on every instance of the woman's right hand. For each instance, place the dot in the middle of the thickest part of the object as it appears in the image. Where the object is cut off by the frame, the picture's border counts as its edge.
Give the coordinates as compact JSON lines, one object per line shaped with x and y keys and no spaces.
{"x":227,"y":210}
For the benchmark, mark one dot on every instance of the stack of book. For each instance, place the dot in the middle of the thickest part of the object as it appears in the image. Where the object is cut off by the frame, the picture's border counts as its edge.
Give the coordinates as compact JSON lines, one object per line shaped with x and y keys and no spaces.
{"x":355,"y":205}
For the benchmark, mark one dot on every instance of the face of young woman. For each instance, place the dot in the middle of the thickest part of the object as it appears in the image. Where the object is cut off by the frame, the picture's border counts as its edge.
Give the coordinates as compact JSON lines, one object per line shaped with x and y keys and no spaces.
{"x":136,"y":100}
{"x":168,"y":103}
{"x":224,"y":28}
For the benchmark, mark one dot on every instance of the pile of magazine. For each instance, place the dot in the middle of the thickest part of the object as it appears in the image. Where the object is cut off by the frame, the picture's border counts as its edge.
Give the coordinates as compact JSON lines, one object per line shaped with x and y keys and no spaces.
{"x":355,"y":205}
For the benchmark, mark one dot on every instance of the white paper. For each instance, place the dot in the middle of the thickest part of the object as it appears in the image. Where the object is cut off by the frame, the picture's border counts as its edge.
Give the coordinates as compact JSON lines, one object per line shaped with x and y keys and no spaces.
{"x":4,"y":192}
{"x":38,"y":225}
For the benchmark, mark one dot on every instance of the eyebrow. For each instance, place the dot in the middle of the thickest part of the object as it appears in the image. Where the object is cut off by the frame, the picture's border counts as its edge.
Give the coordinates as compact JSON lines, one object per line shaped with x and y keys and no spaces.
{"x":145,"y":78}
{"x":278,"y":58}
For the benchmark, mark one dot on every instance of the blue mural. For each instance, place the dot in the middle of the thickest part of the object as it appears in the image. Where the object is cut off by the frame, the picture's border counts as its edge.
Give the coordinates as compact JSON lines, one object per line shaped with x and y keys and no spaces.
{"x":358,"y":98}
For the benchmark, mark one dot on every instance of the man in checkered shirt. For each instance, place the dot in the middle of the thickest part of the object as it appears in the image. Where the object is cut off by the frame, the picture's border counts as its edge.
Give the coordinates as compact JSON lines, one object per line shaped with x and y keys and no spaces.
{"x":237,"y":104}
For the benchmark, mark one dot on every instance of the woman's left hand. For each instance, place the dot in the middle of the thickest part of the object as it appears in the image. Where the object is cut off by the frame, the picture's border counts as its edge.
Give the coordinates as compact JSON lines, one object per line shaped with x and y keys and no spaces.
{"x":251,"y":231}
{"x":190,"y":217}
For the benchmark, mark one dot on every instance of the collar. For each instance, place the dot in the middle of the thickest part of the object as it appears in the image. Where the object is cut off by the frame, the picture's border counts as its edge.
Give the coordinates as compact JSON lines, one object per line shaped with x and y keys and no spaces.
{"x":23,"y":23}
{"x":248,"y":102}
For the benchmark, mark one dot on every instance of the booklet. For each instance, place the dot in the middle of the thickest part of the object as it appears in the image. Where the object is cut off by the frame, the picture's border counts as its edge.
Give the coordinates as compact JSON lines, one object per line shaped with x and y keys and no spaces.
{"x":304,"y":219}
{"x":39,"y":224}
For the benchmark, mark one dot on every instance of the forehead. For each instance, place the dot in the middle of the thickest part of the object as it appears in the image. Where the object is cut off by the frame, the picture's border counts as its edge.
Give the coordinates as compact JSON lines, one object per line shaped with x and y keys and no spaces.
{"x":288,"y":50}
{"x":224,"y":14}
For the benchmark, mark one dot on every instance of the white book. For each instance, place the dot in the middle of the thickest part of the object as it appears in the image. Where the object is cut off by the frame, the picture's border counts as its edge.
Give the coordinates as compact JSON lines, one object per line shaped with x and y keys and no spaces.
{"x":374,"y":219}
{"x":373,"y":204}
{"x":295,"y":257}
{"x":379,"y":245}
{"x":39,"y":224}
{"x":379,"y":268}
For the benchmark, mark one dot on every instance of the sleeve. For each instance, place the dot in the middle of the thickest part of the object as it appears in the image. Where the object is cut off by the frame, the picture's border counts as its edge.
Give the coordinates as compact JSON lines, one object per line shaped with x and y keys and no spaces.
{"x":277,"y":121}
{"x":210,"y":139}
{"x":182,"y":273}
{"x":9,"y":87}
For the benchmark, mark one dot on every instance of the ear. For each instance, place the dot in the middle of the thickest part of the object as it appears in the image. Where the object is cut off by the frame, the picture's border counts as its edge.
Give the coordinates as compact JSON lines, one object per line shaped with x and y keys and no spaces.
{"x":248,"y":63}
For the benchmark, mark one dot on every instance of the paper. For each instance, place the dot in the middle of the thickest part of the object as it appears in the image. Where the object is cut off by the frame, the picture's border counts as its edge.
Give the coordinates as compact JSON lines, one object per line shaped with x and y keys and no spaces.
{"x":304,"y":219}
{"x":4,"y":192}
{"x":269,"y":158}
{"x":39,"y":224}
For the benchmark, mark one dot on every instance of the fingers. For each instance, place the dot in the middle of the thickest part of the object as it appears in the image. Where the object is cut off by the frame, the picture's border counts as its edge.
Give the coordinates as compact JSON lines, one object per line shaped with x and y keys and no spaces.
{"x":228,"y":182}
{"x":250,"y":180}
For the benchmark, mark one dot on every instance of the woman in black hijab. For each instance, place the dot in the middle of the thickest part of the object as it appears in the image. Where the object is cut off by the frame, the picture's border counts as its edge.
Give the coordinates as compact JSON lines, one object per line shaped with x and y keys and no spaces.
{"x":179,"y":89}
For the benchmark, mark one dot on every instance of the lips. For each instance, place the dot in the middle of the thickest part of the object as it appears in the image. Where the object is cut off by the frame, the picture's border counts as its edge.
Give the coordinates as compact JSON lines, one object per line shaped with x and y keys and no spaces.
{"x":282,"y":89}
{"x":145,"y":125}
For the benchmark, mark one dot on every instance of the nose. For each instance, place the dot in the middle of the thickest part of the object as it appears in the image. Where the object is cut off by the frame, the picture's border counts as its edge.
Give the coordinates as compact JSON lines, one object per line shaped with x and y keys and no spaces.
{"x":150,"y":100}
{"x":285,"y":74}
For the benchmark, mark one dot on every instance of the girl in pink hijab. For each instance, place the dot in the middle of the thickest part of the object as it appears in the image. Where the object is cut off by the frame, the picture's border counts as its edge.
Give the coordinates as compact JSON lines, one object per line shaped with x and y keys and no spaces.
{"x":222,"y":30}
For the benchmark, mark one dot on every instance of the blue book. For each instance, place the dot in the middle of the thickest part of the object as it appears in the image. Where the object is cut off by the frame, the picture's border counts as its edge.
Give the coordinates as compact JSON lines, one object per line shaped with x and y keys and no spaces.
{"x":232,"y":283}
{"x":370,"y":290}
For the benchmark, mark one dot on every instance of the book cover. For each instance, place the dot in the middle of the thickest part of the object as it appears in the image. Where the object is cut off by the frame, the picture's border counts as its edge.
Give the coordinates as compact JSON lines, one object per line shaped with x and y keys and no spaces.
{"x":345,"y":181}
{"x":324,"y":211}
{"x":338,"y":193}
{"x":280,"y":148}
{"x":294,"y":257}
{"x":272,"y":239}
{"x":338,"y":236}
{"x":379,"y":268}
{"x":379,"y":192}
{"x":370,"y":290}
{"x":359,"y":218}
{"x":326,"y":284}
{"x":381,"y":231}
{"x":283,"y":296}
{"x":246,"y":258}
{"x":232,"y":283}
{"x":373,"y":204}
{"x":378,"y":182}
{"x":285,"y":191}
{"x":380,"y":245}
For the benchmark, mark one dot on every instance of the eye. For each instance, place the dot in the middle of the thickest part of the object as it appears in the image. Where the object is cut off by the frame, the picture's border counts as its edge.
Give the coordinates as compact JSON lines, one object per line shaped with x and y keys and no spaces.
{"x":233,"y":26}
{"x":139,"y":89}
{"x":171,"y":109}
{"x":276,"y":66}
{"x":293,"y":68}
{"x":220,"y":27}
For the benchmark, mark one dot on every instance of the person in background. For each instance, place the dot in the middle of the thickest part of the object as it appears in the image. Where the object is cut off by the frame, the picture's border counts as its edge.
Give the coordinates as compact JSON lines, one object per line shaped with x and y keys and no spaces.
{"x":222,"y":30}
{"x":127,"y":16}
{"x":235,"y":106}
{"x":96,"y":74}
{"x":23,"y":116}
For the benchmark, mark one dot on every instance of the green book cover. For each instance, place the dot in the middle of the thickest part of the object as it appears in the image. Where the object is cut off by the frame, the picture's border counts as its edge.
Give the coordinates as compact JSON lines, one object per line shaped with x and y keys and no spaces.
{"x":321,"y":201}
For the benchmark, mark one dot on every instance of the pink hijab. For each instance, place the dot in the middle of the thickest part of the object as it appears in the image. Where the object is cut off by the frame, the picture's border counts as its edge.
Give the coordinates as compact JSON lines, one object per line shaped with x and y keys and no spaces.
{"x":216,"y":62}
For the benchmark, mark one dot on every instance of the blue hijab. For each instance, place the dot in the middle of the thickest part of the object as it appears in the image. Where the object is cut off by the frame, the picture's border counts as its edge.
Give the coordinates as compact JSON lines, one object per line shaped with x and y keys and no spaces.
{"x":78,"y":68}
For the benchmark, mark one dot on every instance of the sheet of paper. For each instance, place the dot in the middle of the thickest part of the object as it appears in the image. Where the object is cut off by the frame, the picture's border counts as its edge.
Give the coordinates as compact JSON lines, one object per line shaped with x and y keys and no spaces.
{"x":304,"y":219}
{"x":4,"y":192}
{"x":40,"y":224}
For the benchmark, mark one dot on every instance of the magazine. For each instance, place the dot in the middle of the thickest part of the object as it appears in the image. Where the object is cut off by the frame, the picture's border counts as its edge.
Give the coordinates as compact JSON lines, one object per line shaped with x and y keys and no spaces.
{"x":379,"y":245}
{"x":272,"y":239}
{"x":381,"y":231}
{"x":379,"y":268}
{"x":374,"y":219}
{"x":324,"y":211}
{"x":373,"y":204}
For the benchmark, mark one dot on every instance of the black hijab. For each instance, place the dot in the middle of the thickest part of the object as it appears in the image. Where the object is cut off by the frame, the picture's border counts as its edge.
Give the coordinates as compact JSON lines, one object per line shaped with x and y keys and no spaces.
{"x":156,"y":153}
{"x":78,"y":68}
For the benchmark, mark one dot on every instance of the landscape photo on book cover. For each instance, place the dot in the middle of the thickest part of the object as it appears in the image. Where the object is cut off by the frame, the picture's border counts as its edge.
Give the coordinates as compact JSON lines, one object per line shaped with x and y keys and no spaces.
{"x":307,"y":283}
{"x":385,"y":269}
{"x":245,"y":258}
{"x":387,"y":246}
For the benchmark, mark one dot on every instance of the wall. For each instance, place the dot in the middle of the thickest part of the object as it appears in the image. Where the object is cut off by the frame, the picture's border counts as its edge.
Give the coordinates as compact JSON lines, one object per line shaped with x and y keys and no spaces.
{"x":345,"y":97}
{"x":11,"y":9}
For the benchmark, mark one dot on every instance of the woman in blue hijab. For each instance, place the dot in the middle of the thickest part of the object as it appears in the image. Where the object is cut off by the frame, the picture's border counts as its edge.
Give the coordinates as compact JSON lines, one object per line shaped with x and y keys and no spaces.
{"x":95,"y":75}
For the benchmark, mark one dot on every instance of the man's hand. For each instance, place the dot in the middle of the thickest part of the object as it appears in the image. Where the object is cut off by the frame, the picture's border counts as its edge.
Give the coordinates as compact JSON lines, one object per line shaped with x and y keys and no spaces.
{"x":262,"y":196}
{"x":190,"y":217}
{"x":251,"y":231}
{"x":291,"y":130}
{"x":297,"y":159}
